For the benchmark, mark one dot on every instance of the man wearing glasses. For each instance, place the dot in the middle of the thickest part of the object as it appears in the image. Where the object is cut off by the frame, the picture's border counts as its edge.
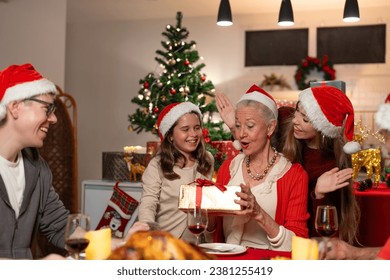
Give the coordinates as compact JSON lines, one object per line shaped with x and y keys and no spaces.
{"x":28,"y":202}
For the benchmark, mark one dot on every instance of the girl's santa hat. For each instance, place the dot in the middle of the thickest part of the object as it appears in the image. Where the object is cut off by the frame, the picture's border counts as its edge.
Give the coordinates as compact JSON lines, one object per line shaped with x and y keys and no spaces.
{"x":170,"y":114}
{"x":382,"y":116}
{"x":18,"y":82}
{"x":328,"y":109}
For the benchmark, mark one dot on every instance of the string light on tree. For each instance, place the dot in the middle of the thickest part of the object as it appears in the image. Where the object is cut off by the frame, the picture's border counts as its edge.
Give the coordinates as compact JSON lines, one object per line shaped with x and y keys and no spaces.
{"x":177,"y":78}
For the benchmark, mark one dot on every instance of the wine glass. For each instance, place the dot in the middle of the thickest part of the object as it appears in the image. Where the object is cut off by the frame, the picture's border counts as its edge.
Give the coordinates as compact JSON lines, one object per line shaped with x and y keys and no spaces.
{"x":326,"y":223}
{"x":197,"y":221}
{"x":76,"y":227}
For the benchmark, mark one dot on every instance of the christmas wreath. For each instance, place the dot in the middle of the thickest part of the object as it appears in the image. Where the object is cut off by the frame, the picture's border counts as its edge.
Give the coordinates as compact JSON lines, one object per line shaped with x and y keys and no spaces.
{"x":312,"y":63}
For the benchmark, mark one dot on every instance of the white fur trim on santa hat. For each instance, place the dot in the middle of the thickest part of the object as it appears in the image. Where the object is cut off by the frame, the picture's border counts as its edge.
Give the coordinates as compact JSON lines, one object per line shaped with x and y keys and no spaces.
{"x":262,"y":98}
{"x":351,"y":147}
{"x":382,"y":117}
{"x":25,"y":90}
{"x":174,"y":114}
{"x":316,"y":116}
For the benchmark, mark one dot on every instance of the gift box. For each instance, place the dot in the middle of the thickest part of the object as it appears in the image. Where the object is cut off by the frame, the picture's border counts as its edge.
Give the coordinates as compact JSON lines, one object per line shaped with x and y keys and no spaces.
{"x":338,"y":84}
{"x":208,"y":195}
{"x":225,"y":149}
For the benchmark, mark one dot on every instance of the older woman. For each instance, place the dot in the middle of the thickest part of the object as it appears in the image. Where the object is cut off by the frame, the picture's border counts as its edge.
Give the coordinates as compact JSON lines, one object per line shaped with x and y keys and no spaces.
{"x":315,"y":136}
{"x":274,"y":191}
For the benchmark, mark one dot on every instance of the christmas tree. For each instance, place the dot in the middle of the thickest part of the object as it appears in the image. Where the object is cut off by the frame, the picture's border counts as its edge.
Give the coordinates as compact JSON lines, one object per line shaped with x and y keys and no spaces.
{"x":179,"y":79}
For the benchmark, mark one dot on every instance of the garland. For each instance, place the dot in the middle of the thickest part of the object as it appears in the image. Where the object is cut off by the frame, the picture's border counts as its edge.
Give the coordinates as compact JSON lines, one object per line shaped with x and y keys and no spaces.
{"x":312,"y":63}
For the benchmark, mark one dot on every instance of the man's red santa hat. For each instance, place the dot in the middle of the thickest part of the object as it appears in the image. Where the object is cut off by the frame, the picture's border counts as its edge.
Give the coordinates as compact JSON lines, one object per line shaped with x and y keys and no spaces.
{"x":18,"y":82}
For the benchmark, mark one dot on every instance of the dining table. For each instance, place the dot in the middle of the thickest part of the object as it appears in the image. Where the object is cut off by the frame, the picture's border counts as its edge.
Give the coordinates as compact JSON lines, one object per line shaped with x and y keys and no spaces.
{"x":255,"y":254}
{"x":374,"y":202}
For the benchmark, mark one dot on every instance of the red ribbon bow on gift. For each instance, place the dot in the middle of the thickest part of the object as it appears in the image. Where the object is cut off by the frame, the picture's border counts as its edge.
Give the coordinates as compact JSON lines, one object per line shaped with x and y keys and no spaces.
{"x":207,"y":183}
{"x":200,"y":183}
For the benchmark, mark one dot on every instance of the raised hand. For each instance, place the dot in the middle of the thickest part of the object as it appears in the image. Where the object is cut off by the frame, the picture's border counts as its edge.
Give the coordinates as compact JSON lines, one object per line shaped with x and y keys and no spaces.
{"x":332,"y":180}
{"x":226,"y":110}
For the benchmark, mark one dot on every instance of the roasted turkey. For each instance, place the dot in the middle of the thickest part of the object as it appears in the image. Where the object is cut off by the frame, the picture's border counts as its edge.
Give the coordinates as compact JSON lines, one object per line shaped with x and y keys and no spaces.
{"x":157,"y":245}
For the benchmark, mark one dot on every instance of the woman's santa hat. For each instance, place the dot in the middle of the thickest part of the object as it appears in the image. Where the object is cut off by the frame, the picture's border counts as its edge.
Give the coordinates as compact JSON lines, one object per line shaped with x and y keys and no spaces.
{"x":258,"y":94}
{"x":18,"y":82}
{"x":255,"y":93}
{"x":328,"y":109}
{"x":382,"y":116}
{"x":170,"y":114}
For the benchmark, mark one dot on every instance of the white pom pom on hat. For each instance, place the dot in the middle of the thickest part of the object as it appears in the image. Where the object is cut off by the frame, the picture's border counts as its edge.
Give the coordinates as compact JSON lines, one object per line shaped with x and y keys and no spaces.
{"x":171,"y":113}
{"x":18,"y":82}
{"x":382,"y":116}
{"x":328,"y":109}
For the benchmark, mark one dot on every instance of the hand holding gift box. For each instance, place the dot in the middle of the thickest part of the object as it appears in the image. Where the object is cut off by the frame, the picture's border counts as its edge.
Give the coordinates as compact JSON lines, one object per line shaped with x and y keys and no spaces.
{"x":206,"y":194}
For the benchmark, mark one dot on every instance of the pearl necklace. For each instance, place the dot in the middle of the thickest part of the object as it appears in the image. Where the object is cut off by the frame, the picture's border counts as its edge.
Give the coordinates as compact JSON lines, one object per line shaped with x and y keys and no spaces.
{"x":258,"y":177}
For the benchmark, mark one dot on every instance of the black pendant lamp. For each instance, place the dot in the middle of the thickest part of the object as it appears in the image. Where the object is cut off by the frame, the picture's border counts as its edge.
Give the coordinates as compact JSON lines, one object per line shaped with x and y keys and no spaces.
{"x":224,"y":14}
{"x":286,"y":16}
{"x":351,"y":11}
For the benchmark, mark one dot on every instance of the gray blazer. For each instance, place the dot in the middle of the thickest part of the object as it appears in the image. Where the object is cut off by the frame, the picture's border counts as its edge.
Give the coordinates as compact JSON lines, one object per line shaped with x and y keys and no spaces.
{"x":41,"y":210}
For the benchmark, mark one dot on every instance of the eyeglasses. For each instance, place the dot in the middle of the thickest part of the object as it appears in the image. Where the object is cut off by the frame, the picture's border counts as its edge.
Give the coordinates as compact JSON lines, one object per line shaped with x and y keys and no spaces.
{"x":51,"y":107}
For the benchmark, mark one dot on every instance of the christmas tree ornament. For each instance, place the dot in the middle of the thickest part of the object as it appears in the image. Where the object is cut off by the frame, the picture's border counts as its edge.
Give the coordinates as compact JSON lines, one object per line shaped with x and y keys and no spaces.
{"x":203,"y":78}
{"x":146,"y":85}
{"x":163,"y":98}
{"x":172,"y":62}
{"x":186,"y":62}
{"x":156,"y":110}
{"x":159,"y":84}
{"x":172,"y":91}
{"x":187,"y":89}
{"x":140,"y":96}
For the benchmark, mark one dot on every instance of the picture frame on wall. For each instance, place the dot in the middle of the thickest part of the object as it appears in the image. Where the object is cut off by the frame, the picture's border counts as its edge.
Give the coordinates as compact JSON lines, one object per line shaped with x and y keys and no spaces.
{"x":353,"y":44}
{"x":276,"y":47}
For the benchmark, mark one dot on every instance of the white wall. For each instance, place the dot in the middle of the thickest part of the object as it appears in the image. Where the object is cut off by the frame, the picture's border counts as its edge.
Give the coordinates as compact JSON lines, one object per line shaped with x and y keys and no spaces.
{"x":104,"y":62}
{"x":34,"y":32}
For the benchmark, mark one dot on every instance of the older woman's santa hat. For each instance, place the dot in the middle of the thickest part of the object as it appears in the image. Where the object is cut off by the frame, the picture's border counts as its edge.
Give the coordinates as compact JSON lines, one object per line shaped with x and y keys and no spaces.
{"x":255,"y":93}
{"x":18,"y":82}
{"x":328,"y":109}
{"x":382,"y":116}
{"x":258,"y":94}
{"x":171,"y":113}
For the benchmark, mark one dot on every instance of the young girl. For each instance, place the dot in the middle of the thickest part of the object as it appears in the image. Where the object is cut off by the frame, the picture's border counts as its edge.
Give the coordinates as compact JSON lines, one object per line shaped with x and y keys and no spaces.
{"x":182,"y":159}
{"x":322,"y":123}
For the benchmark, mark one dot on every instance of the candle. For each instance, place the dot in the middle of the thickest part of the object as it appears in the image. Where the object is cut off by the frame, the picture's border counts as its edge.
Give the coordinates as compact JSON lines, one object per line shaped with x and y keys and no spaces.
{"x":99,"y":247}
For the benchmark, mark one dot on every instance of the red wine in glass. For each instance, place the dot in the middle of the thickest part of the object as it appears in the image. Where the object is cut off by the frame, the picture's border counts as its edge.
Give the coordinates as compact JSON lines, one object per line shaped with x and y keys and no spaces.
{"x":327,"y":230}
{"x":76,"y":227}
{"x":326,"y":224}
{"x":77,"y":245}
{"x":196,"y":229}
{"x":197,"y":220}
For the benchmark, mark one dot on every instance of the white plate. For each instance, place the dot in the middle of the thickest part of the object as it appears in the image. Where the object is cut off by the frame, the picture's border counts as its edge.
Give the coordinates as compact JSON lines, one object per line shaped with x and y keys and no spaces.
{"x":222,"y":248}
